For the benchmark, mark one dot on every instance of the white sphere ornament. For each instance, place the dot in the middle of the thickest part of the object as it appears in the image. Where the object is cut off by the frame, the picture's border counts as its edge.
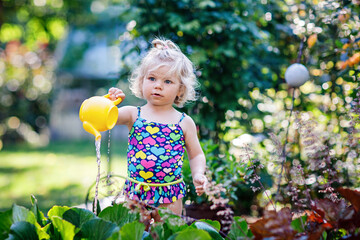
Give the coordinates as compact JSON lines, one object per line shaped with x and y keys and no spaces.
{"x":296,"y":75}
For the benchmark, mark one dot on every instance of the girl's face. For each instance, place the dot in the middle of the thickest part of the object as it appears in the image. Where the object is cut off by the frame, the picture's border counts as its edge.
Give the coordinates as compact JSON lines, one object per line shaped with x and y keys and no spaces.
{"x":161,"y":88}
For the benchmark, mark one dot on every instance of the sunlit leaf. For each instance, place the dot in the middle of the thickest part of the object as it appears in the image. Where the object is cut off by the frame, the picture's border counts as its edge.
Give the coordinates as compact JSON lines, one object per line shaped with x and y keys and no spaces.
{"x":66,"y":229}
{"x":193,"y":234}
{"x":78,"y":216}
{"x":57,"y":211}
{"x":118,"y":214}
{"x":212,"y":227}
{"x":99,"y":229}
{"x":132,"y":231}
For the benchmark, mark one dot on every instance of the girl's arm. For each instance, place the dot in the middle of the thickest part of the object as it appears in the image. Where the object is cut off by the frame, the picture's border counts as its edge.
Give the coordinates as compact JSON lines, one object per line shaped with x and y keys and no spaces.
{"x":196,"y":155}
{"x":127,"y":114}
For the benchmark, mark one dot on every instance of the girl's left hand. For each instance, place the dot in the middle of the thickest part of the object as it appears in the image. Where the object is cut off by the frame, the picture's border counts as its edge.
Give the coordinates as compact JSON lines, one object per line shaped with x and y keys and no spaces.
{"x":200,"y":182}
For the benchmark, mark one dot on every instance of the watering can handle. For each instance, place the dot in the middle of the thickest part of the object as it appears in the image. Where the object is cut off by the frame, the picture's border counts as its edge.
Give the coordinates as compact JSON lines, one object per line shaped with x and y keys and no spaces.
{"x":116,"y":102}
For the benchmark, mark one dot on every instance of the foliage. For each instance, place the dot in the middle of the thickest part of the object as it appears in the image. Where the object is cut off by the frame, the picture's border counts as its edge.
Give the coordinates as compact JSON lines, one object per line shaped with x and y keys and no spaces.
{"x":114,"y":222}
{"x":224,"y":39}
{"x":327,"y":219}
{"x":28,"y":34}
{"x":318,"y":146}
{"x":230,"y":172}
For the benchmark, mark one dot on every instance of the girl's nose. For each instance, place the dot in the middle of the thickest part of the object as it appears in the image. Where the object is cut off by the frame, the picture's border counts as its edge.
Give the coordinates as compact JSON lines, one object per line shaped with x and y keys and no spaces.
{"x":158,"y":85}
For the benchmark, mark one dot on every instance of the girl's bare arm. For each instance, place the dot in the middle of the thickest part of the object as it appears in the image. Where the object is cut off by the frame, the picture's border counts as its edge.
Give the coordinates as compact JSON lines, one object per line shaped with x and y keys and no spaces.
{"x":127,"y":114}
{"x":196,"y":155}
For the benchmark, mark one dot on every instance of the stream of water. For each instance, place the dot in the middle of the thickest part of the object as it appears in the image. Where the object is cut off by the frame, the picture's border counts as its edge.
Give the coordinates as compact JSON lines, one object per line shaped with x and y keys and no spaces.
{"x":98,"y":161}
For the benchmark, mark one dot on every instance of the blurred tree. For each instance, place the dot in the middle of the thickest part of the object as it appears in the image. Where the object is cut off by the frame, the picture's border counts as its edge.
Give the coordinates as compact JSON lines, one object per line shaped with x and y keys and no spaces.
{"x":29,"y":33}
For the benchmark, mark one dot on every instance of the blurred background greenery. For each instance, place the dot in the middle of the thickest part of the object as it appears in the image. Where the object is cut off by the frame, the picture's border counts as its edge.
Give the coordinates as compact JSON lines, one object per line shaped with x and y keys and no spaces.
{"x":56,"y":53}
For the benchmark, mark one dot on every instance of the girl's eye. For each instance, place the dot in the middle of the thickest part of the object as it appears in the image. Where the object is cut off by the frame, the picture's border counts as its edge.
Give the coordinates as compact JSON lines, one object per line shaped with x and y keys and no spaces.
{"x":168,"y":81}
{"x":151,"y":79}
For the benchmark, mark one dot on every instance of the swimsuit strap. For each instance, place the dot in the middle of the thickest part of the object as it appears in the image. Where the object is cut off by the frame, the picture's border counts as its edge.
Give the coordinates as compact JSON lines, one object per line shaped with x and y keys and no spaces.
{"x":182,"y":117}
{"x":139,"y":110}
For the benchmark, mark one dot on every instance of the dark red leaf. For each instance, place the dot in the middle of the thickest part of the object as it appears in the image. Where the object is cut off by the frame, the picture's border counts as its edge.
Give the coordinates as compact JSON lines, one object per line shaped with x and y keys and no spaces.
{"x":334,"y":214}
{"x":352,"y":196}
{"x":274,"y":224}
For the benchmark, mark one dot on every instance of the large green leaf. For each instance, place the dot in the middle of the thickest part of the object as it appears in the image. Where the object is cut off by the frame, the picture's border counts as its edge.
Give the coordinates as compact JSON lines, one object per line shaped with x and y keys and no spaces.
{"x":23,"y":231}
{"x":118,"y":214}
{"x":98,"y":229}
{"x":158,"y":230}
{"x":78,"y":216}
{"x":172,"y":223}
{"x":214,"y":224}
{"x":193,"y":234}
{"x":57,"y":211}
{"x":132,"y":231}
{"x":239,"y":228}
{"x":20,"y":213}
{"x":208,"y":227}
{"x":66,"y":229}
{"x":299,"y":223}
{"x":5,"y":223}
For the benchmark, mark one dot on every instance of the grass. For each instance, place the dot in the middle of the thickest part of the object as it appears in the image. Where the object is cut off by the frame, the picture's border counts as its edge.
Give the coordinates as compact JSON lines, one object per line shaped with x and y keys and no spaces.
{"x":59,"y":174}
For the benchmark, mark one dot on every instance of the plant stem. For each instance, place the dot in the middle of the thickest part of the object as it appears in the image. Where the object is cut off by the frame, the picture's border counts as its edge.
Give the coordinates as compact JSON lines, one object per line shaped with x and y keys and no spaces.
{"x":283,"y":156}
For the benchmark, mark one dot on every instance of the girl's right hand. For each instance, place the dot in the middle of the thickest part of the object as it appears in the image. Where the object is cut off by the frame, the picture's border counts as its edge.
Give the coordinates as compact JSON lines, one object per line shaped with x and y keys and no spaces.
{"x":116,"y":93}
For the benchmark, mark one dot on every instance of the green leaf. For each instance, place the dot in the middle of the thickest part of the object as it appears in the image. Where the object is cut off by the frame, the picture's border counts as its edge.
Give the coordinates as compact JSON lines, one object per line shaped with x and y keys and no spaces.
{"x":172,"y":223}
{"x":23,"y":230}
{"x":57,"y":211}
{"x":118,"y":214}
{"x":299,"y":223}
{"x":5,"y":223}
{"x":66,"y":229}
{"x":214,"y":224}
{"x":158,"y":230}
{"x":20,"y":213}
{"x":208,"y":227}
{"x":42,"y":231}
{"x":115,"y":236}
{"x":338,"y":43}
{"x":39,"y":216}
{"x":239,"y":228}
{"x":78,"y":216}
{"x":132,"y":231}
{"x":193,"y":234}
{"x":98,"y":229}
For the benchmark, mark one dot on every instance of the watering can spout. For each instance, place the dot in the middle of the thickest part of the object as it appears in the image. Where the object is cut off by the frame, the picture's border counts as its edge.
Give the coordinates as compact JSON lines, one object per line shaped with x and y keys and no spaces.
{"x":90,"y":128}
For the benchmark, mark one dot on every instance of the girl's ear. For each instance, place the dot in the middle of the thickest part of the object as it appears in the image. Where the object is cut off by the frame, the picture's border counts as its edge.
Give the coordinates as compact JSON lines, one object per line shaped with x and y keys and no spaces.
{"x":181,"y":91}
{"x":141,"y":88}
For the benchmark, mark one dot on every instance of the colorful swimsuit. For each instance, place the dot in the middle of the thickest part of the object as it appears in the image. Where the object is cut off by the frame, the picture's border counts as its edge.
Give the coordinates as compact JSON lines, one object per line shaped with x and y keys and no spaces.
{"x":155,"y":156}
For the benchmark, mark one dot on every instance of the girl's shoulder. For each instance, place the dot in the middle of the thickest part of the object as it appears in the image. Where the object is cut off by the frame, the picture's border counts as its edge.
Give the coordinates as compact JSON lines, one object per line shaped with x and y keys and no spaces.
{"x":187,"y":124}
{"x":128,"y":110}
{"x":127,"y":115}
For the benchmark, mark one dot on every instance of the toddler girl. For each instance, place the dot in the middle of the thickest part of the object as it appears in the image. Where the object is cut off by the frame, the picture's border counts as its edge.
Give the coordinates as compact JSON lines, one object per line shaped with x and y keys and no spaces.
{"x":159,"y":133}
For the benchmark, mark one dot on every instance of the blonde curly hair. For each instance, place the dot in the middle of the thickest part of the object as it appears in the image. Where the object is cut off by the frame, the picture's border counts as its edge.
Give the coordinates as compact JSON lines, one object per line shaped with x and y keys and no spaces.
{"x":166,"y":53}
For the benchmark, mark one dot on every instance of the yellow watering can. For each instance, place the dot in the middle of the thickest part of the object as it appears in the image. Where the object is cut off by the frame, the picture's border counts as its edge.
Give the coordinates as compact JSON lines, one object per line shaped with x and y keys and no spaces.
{"x":99,"y":114}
